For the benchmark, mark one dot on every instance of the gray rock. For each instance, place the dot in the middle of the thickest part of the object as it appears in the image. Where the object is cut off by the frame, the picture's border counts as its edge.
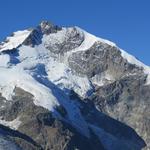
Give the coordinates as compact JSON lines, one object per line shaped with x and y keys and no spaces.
{"x":99,"y":58}
{"x":73,"y":39}
{"x":48,"y":28}
{"x":39,"y":129}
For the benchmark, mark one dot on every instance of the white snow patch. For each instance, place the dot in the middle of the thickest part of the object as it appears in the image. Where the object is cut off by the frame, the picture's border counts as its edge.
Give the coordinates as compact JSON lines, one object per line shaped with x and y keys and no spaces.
{"x":11,"y":124}
{"x":63,"y":77}
{"x":89,"y":40}
{"x":102,"y":79}
{"x":131,"y":59}
{"x":16,"y":77}
{"x":15,"y":40}
{"x":4,"y":60}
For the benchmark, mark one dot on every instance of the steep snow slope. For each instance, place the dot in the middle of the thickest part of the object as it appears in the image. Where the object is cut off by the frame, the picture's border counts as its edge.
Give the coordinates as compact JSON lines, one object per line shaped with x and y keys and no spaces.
{"x":15,"y":40}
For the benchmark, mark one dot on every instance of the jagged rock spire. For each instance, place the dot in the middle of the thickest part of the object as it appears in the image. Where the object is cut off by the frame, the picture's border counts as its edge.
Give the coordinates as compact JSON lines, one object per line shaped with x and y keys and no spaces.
{"x":48,"y":27}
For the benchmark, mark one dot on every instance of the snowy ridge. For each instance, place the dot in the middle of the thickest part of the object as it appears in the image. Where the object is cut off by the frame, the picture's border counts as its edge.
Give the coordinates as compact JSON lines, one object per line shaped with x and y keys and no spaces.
{"x":63,"y":77}
{"x":131,"y":59}
{"x":89,"y":41}
{"x":15,"y":40}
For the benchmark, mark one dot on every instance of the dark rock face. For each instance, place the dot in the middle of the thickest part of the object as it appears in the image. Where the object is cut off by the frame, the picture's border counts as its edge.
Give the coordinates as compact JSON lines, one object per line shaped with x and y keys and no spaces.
{"x":98,"y":59}
{"x":128,"y":101}
{"x":40,"y":130}
{"x":34,"y":38}
{"x":127,"y":97}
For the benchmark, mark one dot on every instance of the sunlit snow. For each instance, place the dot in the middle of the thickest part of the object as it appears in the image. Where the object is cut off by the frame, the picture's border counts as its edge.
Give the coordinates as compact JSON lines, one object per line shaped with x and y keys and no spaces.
{"x":15,"y":40}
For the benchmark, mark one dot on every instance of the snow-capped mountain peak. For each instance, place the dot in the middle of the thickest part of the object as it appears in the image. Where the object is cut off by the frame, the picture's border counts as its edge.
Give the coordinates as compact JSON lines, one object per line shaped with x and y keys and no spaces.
{"x":60,"y":43}
{"x":62,"y":70}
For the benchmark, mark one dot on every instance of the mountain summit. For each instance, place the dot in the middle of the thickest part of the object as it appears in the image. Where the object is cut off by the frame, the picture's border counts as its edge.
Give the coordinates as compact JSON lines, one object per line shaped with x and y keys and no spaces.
{"x":66,"y":89}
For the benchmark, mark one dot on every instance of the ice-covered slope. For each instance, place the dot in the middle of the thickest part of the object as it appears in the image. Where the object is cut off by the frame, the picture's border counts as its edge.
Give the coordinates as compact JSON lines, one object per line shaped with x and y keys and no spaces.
{"x":15,"y":40}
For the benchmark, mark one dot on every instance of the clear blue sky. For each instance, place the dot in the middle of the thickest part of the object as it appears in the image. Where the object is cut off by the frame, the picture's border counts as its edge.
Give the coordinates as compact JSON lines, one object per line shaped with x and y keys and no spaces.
{"x":126,"y":22}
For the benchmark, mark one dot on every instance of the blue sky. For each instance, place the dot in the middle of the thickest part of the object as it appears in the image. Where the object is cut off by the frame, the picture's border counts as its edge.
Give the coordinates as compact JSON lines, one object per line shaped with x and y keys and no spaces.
{"x":125,"y":22}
